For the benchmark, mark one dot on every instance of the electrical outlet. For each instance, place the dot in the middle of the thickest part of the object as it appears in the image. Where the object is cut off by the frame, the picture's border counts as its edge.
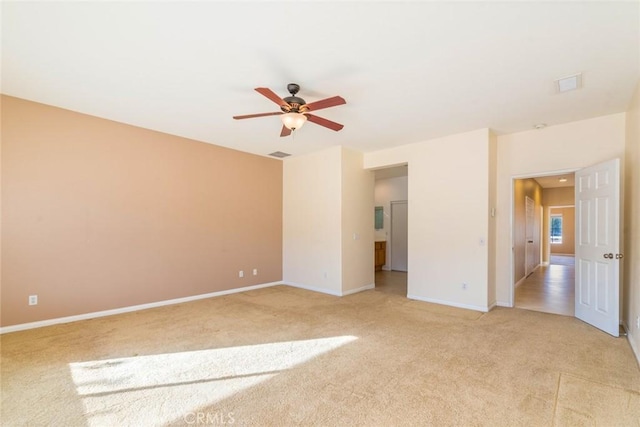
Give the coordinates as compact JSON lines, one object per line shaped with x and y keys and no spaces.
{"x":255,"y":271}
{"x":241,"y":273}
{"x":464,"y":286}
{"x":638,"y":322}
{"x":33,"y":299}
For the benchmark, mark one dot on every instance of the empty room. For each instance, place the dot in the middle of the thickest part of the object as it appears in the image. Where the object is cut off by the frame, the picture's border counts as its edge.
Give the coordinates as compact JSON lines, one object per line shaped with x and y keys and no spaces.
{"x":320,"y":213}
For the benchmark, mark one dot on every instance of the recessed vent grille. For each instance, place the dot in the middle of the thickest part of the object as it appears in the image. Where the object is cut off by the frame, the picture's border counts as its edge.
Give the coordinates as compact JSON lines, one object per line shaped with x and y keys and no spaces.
{"x":279,"y":154}
{"x":569,"y":83}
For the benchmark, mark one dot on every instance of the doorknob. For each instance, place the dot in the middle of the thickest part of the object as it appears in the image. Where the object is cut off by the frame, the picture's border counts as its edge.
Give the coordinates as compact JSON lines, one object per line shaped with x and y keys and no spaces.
{"x":618,"y":256}
{"x":610,"y":256}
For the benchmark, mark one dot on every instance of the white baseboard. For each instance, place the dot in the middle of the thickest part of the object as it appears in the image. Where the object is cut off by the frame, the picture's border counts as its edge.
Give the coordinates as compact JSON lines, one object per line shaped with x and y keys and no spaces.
{"x":313,"y":288}
{"x":632,"y":343}
{"x":360,"y":289}
{"x":68,"y":319}
{"x":450,"y":303}
{"x":519,"y":282}
{"x":330,"y":291}
{"x":545,"y":264}
{"x":503,"y":304}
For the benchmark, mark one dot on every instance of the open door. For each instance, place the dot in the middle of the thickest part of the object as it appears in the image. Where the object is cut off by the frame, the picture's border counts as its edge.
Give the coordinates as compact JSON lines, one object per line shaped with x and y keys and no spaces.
{"x":597,"y":246}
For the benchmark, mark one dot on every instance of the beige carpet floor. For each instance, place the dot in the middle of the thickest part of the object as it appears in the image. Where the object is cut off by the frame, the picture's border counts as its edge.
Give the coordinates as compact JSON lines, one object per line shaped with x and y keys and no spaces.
{"x":283,"y":356}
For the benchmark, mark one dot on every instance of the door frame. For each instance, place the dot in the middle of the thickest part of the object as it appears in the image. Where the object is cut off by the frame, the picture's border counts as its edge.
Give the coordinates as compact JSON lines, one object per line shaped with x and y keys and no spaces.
{"x":512,"y":287}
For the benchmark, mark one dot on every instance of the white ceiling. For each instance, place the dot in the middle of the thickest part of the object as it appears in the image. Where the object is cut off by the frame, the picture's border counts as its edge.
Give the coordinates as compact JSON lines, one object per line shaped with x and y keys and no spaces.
{"x":554,"y":180}
{"x":409,"y":71}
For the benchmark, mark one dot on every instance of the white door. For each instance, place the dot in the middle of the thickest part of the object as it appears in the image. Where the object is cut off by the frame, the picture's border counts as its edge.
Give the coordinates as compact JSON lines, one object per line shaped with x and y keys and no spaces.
{"x":529,"y":253}
{"x":598,"y":245}
{"x":399,"y":236}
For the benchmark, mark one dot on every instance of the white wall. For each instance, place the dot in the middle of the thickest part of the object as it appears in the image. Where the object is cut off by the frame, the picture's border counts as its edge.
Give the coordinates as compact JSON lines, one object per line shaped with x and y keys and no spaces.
{"x":631,"y":277}
{"x":327,"y":200}
{"x":556,"y":148}
{"x":448,"y":216}
{"x":312,"y":203}
{"x":357,"y":224}
{"x":386,"y":191}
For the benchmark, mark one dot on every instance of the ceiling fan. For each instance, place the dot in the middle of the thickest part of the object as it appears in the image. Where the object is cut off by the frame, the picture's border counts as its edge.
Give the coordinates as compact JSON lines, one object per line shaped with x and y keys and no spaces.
{"x":295,"y":111}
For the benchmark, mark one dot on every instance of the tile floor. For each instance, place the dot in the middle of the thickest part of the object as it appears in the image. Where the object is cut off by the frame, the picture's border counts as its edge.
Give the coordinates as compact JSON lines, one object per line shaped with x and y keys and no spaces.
{"x":549,"y":289}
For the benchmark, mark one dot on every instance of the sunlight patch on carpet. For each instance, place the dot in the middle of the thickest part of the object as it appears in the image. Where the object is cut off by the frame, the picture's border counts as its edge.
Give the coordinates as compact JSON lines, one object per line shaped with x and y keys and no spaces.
{"x":163,"y":388}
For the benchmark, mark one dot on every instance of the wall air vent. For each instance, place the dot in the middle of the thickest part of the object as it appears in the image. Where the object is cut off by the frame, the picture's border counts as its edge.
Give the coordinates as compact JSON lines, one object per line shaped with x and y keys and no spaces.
{"x":279,"y":154}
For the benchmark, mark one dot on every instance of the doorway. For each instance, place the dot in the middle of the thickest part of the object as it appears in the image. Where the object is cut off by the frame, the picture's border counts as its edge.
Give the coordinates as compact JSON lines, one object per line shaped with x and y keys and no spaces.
{"x":597,"y":201}
{"x":546,"y":279}
{"x":390,"y":197}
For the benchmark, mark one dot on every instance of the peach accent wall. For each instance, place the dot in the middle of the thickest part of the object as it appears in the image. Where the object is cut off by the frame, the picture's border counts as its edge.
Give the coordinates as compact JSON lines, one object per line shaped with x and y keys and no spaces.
{"x":99,"y":215}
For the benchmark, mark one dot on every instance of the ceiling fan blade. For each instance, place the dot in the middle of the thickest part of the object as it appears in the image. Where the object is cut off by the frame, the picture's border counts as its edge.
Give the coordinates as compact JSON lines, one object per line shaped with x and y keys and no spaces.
{"x":271,"y":95}
{"x":285,"y":131}
{"x":324,"y":122}
{"x":326,"y":103}
{"x":251,"y":116}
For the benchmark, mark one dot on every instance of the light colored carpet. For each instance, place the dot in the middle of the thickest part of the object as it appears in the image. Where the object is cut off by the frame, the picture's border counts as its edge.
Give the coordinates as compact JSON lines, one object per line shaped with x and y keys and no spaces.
{"x":283,"y":356}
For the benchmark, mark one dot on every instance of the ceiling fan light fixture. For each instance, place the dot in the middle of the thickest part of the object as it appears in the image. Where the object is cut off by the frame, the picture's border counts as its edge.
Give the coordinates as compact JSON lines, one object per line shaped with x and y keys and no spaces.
{"x":293,"y":121}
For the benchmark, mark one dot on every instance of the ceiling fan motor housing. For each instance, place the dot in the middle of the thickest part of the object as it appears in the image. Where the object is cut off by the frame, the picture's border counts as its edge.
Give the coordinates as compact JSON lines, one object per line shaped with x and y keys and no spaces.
{"x":295,"y":103}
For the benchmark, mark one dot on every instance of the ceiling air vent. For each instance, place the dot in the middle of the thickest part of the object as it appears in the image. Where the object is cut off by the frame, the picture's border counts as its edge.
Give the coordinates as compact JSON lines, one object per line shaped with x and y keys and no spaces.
{"x":279,"y":154}
{"x":569,"y":83}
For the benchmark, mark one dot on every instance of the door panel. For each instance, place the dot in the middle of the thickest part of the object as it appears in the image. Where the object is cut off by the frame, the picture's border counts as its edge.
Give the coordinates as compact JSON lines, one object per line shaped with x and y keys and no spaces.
{"x":597,"y":244}
{"x":399,"y":236}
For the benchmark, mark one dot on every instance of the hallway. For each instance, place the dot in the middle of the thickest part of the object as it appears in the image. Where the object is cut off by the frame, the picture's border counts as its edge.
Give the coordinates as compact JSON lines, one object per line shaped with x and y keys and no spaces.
{"x":549,"y":289}
{"x":391,"y":282}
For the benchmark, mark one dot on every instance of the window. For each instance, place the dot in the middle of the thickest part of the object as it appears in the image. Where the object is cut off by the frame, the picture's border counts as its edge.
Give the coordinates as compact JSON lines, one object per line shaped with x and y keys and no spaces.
{"x":556,"y":229}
